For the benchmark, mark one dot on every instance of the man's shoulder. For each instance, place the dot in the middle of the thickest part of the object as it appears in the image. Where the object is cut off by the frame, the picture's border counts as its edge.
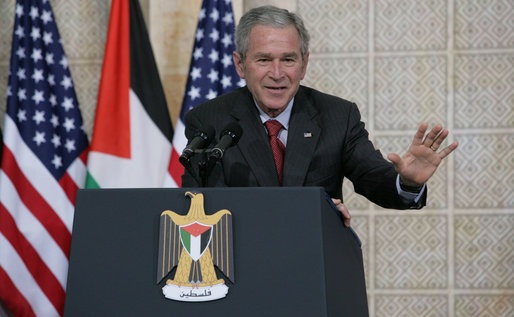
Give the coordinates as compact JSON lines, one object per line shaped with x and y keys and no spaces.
{"x":323,"y":101}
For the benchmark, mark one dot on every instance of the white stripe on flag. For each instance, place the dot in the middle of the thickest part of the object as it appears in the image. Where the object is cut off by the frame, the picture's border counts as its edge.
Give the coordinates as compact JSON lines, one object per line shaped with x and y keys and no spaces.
{"x":77,"y":172}
{"x":195,"y":246}
{"x":21,"y":277}
{"x":33,"y":231}
{"x":169,"y":182}
{"x":38,"y":175}
{"x":179,"y":137}
{"x":179,"y":143}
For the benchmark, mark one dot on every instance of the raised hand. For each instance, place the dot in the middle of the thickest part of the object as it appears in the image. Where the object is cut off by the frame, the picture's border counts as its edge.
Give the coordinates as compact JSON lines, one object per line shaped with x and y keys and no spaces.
{"x":422,"y":159}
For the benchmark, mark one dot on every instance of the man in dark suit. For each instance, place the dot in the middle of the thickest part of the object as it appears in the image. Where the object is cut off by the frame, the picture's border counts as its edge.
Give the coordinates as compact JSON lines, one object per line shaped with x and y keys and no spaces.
{"x":321,"y":136}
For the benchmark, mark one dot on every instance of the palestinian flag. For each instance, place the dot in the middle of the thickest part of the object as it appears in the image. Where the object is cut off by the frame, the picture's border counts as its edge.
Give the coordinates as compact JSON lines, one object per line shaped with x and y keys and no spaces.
{"x":131,"y":142}
{"x":195,"y":238}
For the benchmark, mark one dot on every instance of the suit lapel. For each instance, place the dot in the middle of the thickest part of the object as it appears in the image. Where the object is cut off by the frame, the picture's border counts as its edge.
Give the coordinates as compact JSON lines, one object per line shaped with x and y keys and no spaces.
{"x":254,"y":144}
{"x":303,"y":135}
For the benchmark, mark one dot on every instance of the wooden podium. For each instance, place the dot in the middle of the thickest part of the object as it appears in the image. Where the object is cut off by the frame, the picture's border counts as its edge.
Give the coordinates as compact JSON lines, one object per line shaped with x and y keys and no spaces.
{"x":292,"y":254}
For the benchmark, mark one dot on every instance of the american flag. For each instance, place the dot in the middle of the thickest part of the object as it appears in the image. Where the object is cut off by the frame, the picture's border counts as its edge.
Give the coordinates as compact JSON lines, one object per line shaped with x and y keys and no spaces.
{"x":211,"y":71}
{"x":45,"y":147}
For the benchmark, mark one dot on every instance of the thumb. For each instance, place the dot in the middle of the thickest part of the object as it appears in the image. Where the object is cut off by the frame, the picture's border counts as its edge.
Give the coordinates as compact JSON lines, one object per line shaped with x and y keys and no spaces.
{"x":394,"y":158}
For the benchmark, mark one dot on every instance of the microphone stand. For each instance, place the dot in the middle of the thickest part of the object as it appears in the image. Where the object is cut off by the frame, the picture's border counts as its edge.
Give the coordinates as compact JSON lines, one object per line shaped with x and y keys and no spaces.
{"x":189,"y":167}
{"x":202,"y":169}
{"x":205,"y":166}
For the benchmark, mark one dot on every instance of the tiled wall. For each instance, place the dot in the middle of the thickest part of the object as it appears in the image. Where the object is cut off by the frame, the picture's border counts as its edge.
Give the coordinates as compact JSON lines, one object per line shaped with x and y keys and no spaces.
{"x":448,"y":62}
{"x":403,"y":62}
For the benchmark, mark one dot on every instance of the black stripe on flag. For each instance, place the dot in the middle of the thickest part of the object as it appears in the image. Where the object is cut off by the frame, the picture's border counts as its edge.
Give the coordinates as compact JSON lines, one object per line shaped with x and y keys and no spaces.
{"x":205,"y":238}
{"x":144,"y":75}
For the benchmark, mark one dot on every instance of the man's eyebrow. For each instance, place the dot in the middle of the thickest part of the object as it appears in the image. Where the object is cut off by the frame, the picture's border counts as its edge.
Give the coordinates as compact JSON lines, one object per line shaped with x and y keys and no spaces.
{"x":290,"y":54}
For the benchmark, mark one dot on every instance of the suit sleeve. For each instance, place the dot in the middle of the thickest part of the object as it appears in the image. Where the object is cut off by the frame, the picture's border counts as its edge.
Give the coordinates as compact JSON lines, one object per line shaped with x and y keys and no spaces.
{"x":372,"y":176}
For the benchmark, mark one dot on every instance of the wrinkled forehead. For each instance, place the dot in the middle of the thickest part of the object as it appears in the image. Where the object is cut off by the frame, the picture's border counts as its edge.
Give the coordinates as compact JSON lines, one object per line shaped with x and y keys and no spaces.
{"x":268,"y":36}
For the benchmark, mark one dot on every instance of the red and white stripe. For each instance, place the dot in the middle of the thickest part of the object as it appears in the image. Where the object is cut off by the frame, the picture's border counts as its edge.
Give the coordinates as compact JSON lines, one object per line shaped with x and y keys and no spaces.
{"x":175,"y":169}
{"x":36,"y":219}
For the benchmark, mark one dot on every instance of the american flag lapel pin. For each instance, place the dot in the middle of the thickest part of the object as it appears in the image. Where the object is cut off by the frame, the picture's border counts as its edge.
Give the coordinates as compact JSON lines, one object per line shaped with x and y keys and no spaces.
{"x":307,"y":135}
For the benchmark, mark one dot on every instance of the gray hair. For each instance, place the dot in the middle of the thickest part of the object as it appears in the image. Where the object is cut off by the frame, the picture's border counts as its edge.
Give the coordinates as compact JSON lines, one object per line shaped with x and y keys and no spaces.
{"x":269,"y":16}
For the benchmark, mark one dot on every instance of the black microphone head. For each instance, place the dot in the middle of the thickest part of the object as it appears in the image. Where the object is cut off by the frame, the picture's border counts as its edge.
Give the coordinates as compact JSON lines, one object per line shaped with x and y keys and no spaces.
{"x":207,"y":134}
{"x":234,"y":130}
{"x":199,"y":140}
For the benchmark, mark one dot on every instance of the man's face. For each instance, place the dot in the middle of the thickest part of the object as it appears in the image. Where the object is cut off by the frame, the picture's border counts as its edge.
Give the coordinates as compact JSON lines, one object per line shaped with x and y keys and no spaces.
{"x":273,"y":67}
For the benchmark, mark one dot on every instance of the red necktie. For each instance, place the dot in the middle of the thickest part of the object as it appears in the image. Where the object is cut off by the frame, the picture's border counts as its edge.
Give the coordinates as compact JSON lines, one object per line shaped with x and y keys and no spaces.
{"x":277,"y":146}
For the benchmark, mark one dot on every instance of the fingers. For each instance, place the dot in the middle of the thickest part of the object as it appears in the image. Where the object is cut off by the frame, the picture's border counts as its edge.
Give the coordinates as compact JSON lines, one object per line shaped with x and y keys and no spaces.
{"x":450,"y":148}
{"x":435,"y":138}
{"x":418,"y":137}
{"x":432,"y":136}
{"x":346,"y":215}
{"x":438,"y":140}
{"x":344,"y":211}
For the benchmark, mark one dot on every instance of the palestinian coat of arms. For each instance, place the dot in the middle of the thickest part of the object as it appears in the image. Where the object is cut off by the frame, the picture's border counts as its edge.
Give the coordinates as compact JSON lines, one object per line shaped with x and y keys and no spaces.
{"x":195,"y":243}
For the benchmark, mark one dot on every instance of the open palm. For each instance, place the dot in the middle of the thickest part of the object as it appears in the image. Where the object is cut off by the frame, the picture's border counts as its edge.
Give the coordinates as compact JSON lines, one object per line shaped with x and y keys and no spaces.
{"x":422,"y":159}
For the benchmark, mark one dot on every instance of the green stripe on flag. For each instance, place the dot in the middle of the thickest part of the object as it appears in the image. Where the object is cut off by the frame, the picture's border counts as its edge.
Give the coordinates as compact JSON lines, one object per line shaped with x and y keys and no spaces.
{"x":186,"y":239}
{"x":91,"y":182}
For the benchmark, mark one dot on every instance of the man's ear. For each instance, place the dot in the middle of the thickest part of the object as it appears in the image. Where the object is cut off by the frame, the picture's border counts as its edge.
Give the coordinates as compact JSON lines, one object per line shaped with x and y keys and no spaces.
{"x":305,"y":62}
{"x":238,"y":62}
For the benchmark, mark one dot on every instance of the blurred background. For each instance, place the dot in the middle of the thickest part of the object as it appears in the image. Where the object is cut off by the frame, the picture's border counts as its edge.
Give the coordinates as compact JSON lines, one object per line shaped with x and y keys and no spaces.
{"x":403,"y":62}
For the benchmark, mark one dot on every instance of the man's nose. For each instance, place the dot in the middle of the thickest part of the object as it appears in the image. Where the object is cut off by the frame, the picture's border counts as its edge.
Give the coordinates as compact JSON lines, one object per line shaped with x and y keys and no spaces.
{"x":276,"y":70}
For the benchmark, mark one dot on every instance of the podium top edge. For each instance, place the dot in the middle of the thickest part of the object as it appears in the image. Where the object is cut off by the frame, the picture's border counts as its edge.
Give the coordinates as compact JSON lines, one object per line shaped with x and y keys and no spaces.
{"x":200,"y":189}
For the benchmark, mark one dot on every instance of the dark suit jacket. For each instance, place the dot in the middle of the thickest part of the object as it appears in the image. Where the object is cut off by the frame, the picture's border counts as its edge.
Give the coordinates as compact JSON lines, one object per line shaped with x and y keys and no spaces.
{"x":326,"y":142}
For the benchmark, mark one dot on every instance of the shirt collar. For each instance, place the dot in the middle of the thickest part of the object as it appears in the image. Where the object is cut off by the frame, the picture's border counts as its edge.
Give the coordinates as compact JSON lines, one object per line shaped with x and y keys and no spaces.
{"x":283,"y":117}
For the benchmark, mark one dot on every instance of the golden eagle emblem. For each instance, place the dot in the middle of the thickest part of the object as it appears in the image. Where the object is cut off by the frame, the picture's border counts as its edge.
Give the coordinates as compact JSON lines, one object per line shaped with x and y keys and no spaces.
{"x":194,"y":243}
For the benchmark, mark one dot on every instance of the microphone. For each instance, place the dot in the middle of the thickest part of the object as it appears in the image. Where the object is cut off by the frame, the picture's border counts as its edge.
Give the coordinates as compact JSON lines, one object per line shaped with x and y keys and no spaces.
{"x":200,"y":140}
{"x":228,"y":137}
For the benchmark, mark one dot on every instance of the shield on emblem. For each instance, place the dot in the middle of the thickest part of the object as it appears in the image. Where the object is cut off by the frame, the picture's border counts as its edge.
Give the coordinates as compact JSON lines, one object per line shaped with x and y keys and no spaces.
{"x":195,"y":238}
